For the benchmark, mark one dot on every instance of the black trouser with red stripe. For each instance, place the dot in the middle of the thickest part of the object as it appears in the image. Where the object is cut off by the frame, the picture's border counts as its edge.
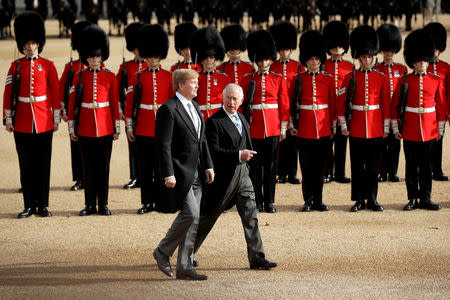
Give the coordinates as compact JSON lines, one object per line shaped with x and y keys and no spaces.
{"x":418,"y":169}
{"x":287,"y":158}
{"x":337,"y":157}
{"x":390,"y":155}
{"x":133,"y":160}
{"x":96,"y":154}
{"x":77,"y":164}
{"x":148,"y":169}
{"x":436,"y":157}
{"x":34,"y":151}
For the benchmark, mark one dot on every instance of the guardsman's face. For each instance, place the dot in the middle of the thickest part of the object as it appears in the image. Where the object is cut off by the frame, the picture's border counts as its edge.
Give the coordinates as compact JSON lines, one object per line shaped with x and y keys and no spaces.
{"x":31,"y":48}
{"x":420,"y":66}
{"x":94,"y":61}
{"x":234,"y":53}
{"x":337,"y":51}
{"x":313,"y":64}
{"x":366,"y":61}
{"x":285,"y":54}
{"x":209,"y":63}
{"x":387,"y":55}
{"x":153,"y":62}
{"x":186,"y":53}
{"x":264,"y":64}
{"x":189,"y":88}
{"x":232,"y":100}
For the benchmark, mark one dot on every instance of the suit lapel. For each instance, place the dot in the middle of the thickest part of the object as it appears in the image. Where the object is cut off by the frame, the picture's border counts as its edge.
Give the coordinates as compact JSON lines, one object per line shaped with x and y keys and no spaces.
{"x":246,"y":130}
{"x":185,"y":117}
{"x":230,"y":128}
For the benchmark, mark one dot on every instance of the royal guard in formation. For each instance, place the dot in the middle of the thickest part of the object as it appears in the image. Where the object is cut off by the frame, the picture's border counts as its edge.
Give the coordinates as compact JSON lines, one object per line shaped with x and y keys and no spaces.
{"x":183,"y":37}
{"x":266,"y":107}
{"x":148,"y":90}
{"x":31,"y":110}
{"x":390,"y":43}
{"x":208,"y":48}
{"x":364,"y":115}
{"x":125,"y":76}
{"x":285,"y":37}
{"x":337,"y":40}
{"x":94,"y":117}
{"x":65,"y":83}
{"x":313,"y":116}
{"x":422,"y":111}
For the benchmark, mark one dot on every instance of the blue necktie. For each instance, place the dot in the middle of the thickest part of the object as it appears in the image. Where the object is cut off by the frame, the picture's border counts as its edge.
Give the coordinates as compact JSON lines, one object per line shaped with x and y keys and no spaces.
{"x":237,"y":123}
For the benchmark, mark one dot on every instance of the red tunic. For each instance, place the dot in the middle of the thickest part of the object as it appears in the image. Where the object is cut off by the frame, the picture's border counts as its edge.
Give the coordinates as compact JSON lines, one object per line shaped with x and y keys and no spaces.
{"x":442,"y":69}
{"x":316,"y":106}
{"x":288,"y":69}
{"x":76,"y":66}
{"x":370,"y":109}
{"x":132,"y":67}
{"x":337,"y":69}
{"x":99,"y":115}
{"x":270,"y":109}
{"x":425,"y":107}
{"x":185,"y":65}
{"x":156,"y":89}
{"x":210,"y":88}
{"x":236,"y":71}
{"x":38,"y":104}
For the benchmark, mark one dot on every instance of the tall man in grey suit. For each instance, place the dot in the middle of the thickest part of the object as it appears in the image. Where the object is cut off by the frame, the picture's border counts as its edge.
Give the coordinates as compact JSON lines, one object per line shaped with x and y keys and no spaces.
{"x":230,"y":145}
{"x":185,"y":164}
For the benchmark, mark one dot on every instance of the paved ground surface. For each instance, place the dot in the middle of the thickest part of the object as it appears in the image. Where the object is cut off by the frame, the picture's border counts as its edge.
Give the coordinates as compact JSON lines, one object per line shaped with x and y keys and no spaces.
{"x":336,"y":254}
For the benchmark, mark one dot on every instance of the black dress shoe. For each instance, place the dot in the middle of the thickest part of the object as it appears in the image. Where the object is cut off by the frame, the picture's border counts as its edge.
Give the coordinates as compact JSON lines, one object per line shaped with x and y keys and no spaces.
{"x":25,"y":213}
{"x":194,"y":262}
{"x":259,"y":207}
{"x":145,"y":209}
{"x":307,"y":207}
{"x":190,"y":275}
{"x":429,"y":205}
{"x":263,"y":264}
{"x":320,"y":207}
{"x":163,"y":262}
{"x":104,"y":211}
{"x":373,"y":205}
{"x":77,"y":186}
{"x":342,"y":179}
{"x":412,"y":204}
{"x":440,"y":177}
{"x":360,"y":204}
{"x":394,"y":178}
{"x":327,"y":179}
{"x":269,"y":208}
{"x":88,"y":210}
{"x":294,"y":180}
{"x":382,"y":178}
{"x":132,"y":184}
{"x":45,"y":212}
{"x":281,"y":179}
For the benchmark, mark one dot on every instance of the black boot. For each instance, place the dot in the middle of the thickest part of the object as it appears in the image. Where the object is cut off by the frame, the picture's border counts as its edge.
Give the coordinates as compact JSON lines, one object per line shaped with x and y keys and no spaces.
{"x":307,"y":207}
{"x":373,"y":205}
{"x":320,"y":206}
{"x":77,"y":186}
{"x":428,"y":204}
{"x":134,"y":183}
{"x":412,"y":204}
{"x":360,"y":204}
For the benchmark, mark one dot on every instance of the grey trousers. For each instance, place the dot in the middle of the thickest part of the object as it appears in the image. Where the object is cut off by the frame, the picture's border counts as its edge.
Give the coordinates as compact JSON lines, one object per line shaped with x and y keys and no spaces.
{"x":183,"y":231}
{"x":240,"y":187}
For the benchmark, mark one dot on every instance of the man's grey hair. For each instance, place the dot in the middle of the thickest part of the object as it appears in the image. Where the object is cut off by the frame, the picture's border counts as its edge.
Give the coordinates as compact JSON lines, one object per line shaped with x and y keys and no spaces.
{"x":233,"y":86}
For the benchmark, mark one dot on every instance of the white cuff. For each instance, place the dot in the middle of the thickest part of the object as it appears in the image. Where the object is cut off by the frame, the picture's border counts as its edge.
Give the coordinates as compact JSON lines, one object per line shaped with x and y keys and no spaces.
{"x":240,"y":151}
{"x":394,"y":124}
{"x":386,"y":125}
{"x":117,"y":126}
{"x":70,"y":127}
{"x":343,"y":123}
{"x":283,"y":127}
{"x":441,"y":128}
{"x":57,"y":116}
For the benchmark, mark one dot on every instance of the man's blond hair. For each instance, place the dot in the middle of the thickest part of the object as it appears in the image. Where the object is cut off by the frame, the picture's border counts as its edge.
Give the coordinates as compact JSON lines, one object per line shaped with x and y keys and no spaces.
{"x":181,"y":75}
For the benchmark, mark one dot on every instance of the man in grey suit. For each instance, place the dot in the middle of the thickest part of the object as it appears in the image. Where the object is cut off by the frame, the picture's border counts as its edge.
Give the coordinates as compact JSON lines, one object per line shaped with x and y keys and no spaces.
{"x":185,"y":164}
{"x":230,"y":146}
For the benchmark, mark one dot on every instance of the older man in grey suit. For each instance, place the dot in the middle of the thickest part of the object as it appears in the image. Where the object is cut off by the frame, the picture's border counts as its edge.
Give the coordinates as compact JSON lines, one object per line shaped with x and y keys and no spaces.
{"x":185,"y":164}
{"x":230,"y":146}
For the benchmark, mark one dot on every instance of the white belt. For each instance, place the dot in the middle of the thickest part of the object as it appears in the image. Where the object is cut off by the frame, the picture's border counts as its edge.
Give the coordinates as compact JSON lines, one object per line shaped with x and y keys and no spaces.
{"x":94,"y":104}
{"x":365,"y":107}
{"x":314,"y":106}
{"x":210,"y":106}
{"x":150,"y":106}
{"x":420,"y":110}
{"x":32,"y":99}
{"x":264,"y":106}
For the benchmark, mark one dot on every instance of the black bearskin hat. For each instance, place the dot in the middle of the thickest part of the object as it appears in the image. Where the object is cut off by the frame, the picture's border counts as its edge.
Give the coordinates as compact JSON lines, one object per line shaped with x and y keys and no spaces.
{"x":439,"y":35}
{"x":154,"y":41}
{"x":364,"y":41}
{"x":390,"y":38}
{"x":336,"y":34}
{"x":183,"y":36}
{"x":207,"y":42}
{"x":260,"y":45}
{"x":75,"y":36}
{"x":131,"y":35}
{"x":419,"y":45}
{"x":284,"y":35}
{"x":29,"y":26}
{"x":93,"y":42}
{"x":312,"y":44}
{"x":234,"y":37}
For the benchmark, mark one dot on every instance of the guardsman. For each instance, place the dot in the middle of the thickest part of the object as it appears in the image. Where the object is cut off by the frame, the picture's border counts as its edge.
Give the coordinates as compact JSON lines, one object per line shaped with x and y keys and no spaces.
{"x":285,"y":37}
{"x":390,"y":43}
{"x":148,"y":90}
{"x":235,"y":39}
{"x":368,"y":103}
{"x":337,"y":38}
{"x":313,"y":111}
{"x":183,"y":37}
{"x":266,"y":107}
{"x":94,"y":117}
{"x":65,"y":83}
{"x":129,"y":69}
{"x":208,"y":48}
{"x":31,"y":109}
{"x":422,"y":113}
{"x":441,"y":68}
